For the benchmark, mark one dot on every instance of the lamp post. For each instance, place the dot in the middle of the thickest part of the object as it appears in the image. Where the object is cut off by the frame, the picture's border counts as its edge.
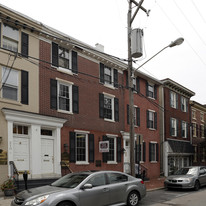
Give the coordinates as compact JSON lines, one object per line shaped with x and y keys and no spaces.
{"x":131,"y":97}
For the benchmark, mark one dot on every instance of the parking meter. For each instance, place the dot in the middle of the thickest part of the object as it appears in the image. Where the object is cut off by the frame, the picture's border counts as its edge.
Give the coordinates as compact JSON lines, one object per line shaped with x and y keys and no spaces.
{"x":25,"y":176}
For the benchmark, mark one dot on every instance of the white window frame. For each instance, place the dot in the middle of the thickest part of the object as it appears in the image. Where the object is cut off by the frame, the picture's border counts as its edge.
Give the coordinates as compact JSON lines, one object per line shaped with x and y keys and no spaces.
{"x":154,"y":156}
{"x":69,"y":85}
{"x":112,"y":106}
{"x":115,"y":150}
{"x":194,"y":126}
{"x":184,"y":128}
{"x":10,"y":78}
{"x":153,"y":119}
{"x":86,"y":147}
{"x":193,"y":114}
{"x":174,"y":126}
{"x":173,"y":99}
{"x":151,"y":90}
{"x":202,"y":117}
{"x":202,"y":130}
{"x":184,"y":103}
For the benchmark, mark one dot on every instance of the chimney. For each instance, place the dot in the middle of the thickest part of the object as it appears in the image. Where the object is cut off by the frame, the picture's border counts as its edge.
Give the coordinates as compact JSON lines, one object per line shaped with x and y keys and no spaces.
{"x":99,"y":47}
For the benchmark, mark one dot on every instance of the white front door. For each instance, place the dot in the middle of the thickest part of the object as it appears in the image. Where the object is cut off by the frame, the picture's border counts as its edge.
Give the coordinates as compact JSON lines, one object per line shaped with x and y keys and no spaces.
{"x":47,"y":155}
{"x":21,"y":153}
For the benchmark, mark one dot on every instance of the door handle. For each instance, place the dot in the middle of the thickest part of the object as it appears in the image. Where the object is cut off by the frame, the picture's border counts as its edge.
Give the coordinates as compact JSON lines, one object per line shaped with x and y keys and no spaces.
{"x":106,"y":190}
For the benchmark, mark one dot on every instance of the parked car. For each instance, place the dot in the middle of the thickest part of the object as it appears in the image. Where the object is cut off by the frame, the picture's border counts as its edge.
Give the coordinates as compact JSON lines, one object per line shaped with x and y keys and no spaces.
{"x":98,"y":188}
{"x":187,"y":177}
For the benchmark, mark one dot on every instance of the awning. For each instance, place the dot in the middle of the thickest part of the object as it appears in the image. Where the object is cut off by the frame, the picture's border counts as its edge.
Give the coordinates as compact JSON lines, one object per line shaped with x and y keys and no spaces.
{"x":180,"y":147}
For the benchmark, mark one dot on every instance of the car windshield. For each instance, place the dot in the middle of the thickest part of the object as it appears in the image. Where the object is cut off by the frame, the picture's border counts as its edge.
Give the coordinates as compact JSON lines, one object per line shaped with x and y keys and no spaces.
{"x":70,"y":180}
{"x":187,"y":171}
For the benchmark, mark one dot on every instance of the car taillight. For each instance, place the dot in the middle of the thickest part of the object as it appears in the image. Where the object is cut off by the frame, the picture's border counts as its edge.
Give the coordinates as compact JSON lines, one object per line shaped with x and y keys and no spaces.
{"x":142,"y":182}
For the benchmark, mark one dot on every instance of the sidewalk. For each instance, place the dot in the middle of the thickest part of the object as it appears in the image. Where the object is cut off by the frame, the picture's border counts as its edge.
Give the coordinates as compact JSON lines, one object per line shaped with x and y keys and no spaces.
{"x":152,"y":184}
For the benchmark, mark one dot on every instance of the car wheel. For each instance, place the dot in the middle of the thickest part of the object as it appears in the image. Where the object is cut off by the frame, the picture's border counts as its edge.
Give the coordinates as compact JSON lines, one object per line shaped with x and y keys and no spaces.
{"x":197,"y":185}
{"x":65,"y":204}
{"x":133,"y":198}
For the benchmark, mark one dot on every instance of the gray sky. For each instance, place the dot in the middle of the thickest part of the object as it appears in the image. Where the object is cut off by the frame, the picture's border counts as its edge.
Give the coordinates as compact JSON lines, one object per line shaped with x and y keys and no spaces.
{"x":105,"y":22}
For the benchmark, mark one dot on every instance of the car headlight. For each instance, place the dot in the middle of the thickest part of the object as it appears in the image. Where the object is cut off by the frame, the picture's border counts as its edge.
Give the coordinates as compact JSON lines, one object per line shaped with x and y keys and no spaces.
{"x":38,"y":200}
{"x":187,"y":180}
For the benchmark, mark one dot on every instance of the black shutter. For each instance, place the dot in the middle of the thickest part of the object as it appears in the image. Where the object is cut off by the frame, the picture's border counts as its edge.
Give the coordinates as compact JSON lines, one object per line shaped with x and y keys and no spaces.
{"x":205,"y":130}
{"x":119,"y":149}
{"x":101,"y":105}
{"x":147,"y":91}
{"x":91,"y":147}
{"x":127,"y":82}
{"x":150,"y":152}
{"x":138,"y":116}
{"x":55,"y":54}
{"x":170,"y":126}
{"x":115,"y":78}
{"x":24,"y":87}
{"x":177,"y":101}
{"x":135,"y":153}
{"x":155,"y":120}
{"x":101,"y":68}
{"x":116,"y":109}
{"x":72,"y":147}
{"x":0,"y":34}
{"x":127,"y":114}
{"x":157,"y":152}
{"x":137,"y":85}
{"x":155,"y":91}
{"x":53,"y":94}
{"x":74,"y":62}
{"x":177,"y":127}
{"x":104,"y":154}
{"x":24,"y":44}
{"x":75,"y":96}
{"x":144,"y":151}
{"x":147,"y":113}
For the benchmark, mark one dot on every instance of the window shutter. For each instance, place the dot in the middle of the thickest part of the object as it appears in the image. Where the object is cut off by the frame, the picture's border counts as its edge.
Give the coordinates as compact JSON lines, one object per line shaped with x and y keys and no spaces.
{"x":147,"y":113}
{"x":116,"y":109}
{"x":147,"y":91}
{"x":135,"y":153}
{"x":101,"y":105}
{"x":91,"y":147}
{"x":177,"y":128}
{"x":24,"y":44}
{"x":144,"y":151}
{"x":53,"y":94}
{"x":101,"y":68}
{"x":205,"y":130}
{"x":74,"y":62}
{"x":170,"y":126}
{"x":157,"y":152}
{"x":155,"y":120}
{"x":150,"y":152}
{"x":55,"y":54}
{"x":186,"y":105}
{"x":138,"y":116}
{"x":127,"y":114}
{"x":115,"y":78}
{"x":119,"y":149}
{"x":24,"y":87}
{"x":0,"y":34}
{"x":72,"y":147}
{"x":127,"y":82}
{"x":137,"y":85}
{"x":75,"y":98}
{"x":104,"y":154}
{"x":181,"y":129}
{"x":155,"y":91}
{"x":177,"y":101}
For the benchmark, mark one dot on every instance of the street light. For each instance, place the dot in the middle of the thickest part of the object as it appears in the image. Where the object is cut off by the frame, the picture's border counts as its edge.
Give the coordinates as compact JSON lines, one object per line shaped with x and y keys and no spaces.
{"x":131,"y":98}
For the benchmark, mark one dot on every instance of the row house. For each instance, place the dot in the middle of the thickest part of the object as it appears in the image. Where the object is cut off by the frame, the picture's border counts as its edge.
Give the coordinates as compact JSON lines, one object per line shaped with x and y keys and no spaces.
{"x":176,"y":139}
{"x":198,"y":123}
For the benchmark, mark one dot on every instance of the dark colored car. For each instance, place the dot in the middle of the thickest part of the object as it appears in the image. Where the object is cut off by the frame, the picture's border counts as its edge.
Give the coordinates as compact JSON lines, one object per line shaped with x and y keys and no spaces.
{"x":98,"y":188}
{"x":187,"y":177}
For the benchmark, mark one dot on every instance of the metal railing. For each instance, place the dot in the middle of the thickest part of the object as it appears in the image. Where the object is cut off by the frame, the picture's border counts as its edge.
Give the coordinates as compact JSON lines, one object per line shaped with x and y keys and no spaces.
{"x":14,"y":173}
{"x":65,"y":167}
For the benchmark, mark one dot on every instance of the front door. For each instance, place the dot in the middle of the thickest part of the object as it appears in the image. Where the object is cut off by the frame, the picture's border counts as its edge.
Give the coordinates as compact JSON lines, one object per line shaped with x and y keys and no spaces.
{"x":47,"y":155}
{"x":21,"y":153}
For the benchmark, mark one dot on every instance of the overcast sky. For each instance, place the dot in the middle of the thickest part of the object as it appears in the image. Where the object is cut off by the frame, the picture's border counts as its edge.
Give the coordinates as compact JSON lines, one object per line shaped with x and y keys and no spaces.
{"x":105,"y":22}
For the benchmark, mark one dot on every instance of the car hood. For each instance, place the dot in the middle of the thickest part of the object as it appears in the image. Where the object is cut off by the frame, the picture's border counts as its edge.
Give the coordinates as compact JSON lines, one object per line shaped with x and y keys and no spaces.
{"x":39,"y":191}
{"x":173,"y":177}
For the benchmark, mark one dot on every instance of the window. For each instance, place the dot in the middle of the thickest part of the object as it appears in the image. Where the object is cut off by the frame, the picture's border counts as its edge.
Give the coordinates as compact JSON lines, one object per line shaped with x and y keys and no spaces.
{"x":97,"y":180}
{"x":202,"y":131}
{"x":151,"y":90}
{"x":202,"y":117}
{"x":108,"y":76}
{"x":117,"y":178}
{"x":81,"y":147}
{"x":194,"y":130}
{"x":173,"y":100}
{"x":153,"y":152}
{"x":184,"y":129}
{"x":136,"y":115}
{"x":64,"y":96}
{"x":112,"y":150}
{"x":173,"y":127}
{"x":109,"y":107}
{"x":18,"y":129}
{"x":151,"y":119}
{"x":46,"y":132}
{"x":10,"y":83}
{"x":140,"y":151}
{"x":136,"y":84}
{"x":10,"y":38}
{"x":184,"y":104}
{"x":193,"y":114}
{"x":64,"y":58}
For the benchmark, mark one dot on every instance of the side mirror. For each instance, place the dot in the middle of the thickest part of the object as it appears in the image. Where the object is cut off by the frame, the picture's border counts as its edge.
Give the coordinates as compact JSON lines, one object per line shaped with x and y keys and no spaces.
{"x":86,"y":186}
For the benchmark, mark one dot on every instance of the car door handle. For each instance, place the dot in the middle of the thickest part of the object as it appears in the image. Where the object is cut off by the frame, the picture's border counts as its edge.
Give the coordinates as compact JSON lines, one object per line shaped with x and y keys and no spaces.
{"x":106,"y":190}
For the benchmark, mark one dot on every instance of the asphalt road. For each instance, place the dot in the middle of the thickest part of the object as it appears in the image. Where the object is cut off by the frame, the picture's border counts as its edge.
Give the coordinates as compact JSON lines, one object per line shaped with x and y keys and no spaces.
{"x":165,"y":197}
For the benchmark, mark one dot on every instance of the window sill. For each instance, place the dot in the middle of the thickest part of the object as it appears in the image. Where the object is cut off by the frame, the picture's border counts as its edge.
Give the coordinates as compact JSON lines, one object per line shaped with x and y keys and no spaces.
{"x":8,"y":101}
{"x":65,"y":112}
{"x":152,"y":129}
{"x":82,"y":163}
{"x":109,"y":86}
{"x":109,"y":120}
{"x":111,"y":163}
{"x":63,"y":70}
{"x":153,"y":162}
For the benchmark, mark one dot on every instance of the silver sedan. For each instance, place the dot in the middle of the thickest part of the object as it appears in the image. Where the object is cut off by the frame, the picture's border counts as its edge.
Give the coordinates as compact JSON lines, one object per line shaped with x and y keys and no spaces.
{"x":98,"y":188}
{"x":187,"y":177}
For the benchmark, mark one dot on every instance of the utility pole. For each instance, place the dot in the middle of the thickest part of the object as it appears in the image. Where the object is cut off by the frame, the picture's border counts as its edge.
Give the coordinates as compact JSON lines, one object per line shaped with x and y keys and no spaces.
{"x":130,"y":19}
